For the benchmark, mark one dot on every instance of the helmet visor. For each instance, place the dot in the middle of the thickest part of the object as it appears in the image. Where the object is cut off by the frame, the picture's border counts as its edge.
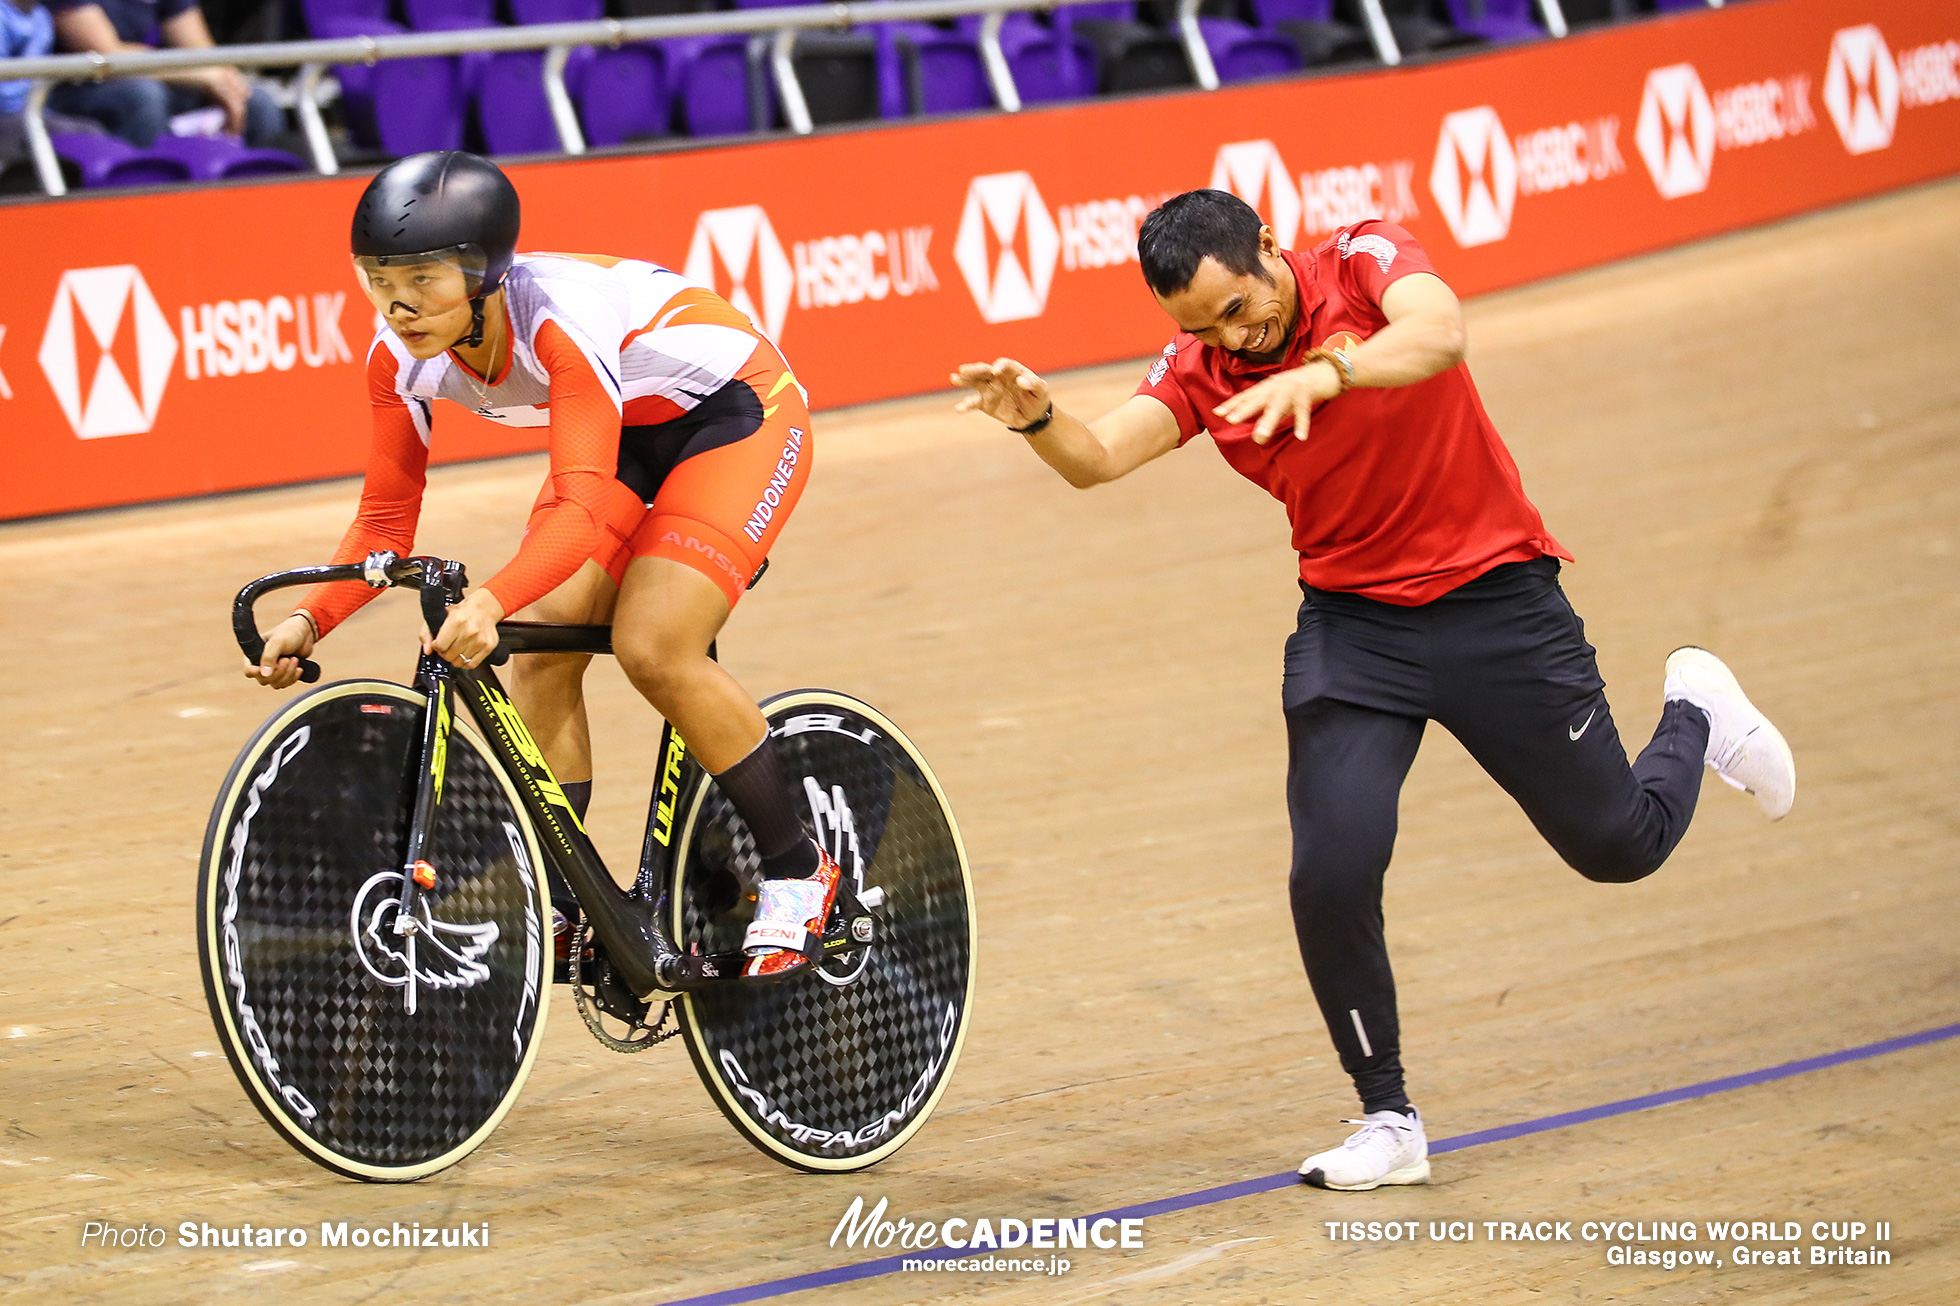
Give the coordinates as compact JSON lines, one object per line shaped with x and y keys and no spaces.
{"x":426,"y":284}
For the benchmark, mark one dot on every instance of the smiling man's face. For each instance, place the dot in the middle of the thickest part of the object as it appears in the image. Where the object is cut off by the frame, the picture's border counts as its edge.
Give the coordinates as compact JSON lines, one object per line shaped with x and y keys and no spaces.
{"x":1249,"y":315}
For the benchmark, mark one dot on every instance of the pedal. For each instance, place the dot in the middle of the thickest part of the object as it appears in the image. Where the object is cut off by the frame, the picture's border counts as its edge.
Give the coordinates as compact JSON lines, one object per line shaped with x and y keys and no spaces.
{"x":854,"y":933}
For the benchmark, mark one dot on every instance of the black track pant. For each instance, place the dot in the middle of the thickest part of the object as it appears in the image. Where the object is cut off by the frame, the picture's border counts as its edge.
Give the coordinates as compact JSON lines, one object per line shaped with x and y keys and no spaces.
{"x":1502,"y":663}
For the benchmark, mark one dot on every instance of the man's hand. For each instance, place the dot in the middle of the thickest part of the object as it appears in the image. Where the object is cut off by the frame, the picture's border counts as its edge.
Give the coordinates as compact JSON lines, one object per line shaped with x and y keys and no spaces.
{"x":1289,"y":395}
{"x":469,"y":632}
{"x":285,"y":644}
{"x":228,"y":88}
{"x":1004,"y":390}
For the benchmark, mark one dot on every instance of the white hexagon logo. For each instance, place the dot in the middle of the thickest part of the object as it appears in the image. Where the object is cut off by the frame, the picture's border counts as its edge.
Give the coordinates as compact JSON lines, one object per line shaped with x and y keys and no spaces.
{"x":122,"y":331}
{"x":1475,"y":176}
{"x":1254,"y":171}
{"x":1007,"y":247}
{"x":1676,"y":132}
{"x":735,"y":253}
{"x":1861,"y":89}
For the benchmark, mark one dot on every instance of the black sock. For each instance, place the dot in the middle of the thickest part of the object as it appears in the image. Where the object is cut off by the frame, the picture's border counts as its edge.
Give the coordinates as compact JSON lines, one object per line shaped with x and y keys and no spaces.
{"x":562,"y":897}
{"x":761,"y":795}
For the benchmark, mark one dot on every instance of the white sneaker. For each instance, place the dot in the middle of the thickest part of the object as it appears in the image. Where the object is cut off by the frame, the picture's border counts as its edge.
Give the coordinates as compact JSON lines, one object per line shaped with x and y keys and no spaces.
{"x":1743,"y":747}
{"x":1390,"y":1149}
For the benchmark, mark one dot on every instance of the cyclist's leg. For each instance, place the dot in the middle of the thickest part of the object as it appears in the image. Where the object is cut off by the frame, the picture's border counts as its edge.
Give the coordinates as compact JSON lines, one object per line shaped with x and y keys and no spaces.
{"x":668,"y":614}
{"x":706,"y":534}
{"x":548,"y":688}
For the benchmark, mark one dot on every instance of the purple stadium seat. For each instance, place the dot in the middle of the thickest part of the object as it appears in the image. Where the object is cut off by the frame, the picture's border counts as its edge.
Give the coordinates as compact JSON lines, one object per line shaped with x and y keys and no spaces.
{"x":1131,"y":55}
{"x":1674,"y":6}
{"x":510,"y":102}
{"x":457,"y":16}
{"x":1312,"y":26}
{"x":1048,"y":63}
{"x":1239,"y":52}
{"x":1109,"y":11}
{"x":450,"y":15}
{"x":108,"y":161}
{"x":1495,"y":20}
{"x":928,"y":69}
{"x":1273,"y":12}
{"x":418,"y":104}
{"x":332,"y":20}
{"x":265,"y":163}
{"x":326,"y":18}
{"x":626,"y":95}
{"x":710,"y":79}
{"x":526,"y":12}
{"x":213,"y":158}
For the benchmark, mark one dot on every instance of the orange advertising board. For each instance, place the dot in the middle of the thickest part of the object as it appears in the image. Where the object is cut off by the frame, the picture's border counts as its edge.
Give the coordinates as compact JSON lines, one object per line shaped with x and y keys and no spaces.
{"x":182,"y":342}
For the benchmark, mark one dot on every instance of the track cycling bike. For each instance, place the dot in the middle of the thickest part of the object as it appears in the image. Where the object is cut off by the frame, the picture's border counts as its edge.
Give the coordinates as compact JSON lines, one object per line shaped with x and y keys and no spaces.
{"x":373,"y":915}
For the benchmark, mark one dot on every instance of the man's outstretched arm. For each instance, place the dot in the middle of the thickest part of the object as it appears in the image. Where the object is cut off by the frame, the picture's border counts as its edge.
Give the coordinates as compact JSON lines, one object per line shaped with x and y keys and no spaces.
{"x":1084,"y":453}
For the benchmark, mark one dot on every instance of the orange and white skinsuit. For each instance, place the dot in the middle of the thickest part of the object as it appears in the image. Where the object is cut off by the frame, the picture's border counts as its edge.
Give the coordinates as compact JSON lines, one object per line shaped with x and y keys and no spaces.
{"x":676,"y":431}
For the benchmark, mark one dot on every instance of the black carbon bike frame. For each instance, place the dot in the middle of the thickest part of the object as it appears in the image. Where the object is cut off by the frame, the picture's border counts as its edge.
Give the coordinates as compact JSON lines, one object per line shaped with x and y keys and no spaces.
{"x":627,"y":926}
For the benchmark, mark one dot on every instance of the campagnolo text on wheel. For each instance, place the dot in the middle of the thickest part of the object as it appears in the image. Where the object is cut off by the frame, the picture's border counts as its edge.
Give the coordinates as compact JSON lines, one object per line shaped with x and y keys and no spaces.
{"x":394,"y":874}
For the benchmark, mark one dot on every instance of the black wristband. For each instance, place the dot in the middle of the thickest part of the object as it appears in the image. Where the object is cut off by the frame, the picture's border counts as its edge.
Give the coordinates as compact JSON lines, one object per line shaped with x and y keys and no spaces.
{"x":1038,"y":425}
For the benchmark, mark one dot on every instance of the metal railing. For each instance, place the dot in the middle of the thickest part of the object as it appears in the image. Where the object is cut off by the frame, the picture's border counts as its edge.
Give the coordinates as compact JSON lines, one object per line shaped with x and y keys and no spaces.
{"x":313,"y":58}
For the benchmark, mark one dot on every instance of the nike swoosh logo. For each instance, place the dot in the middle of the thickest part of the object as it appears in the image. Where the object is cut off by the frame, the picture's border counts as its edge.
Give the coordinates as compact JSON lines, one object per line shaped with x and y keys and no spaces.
{"x":1586,"y":725}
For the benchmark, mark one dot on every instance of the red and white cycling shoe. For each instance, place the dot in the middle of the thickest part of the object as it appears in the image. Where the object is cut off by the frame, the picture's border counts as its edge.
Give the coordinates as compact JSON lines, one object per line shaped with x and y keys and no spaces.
{"x":787,"y":931}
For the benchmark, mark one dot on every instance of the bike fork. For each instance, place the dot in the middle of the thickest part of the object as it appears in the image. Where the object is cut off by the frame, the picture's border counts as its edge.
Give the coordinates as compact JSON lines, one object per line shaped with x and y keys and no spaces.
{"x":417,"y":874}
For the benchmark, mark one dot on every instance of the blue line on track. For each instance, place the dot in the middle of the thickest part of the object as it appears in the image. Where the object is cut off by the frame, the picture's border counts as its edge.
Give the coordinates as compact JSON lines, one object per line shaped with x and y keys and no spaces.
{"x":1267,"y":1183}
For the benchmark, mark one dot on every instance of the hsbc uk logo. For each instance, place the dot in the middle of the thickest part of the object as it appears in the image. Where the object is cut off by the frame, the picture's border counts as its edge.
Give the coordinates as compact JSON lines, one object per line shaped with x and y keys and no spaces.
{"x":107,"y":351}
{"x":1861,"y":89}
{"x":1480,"y":172}
{"x":1475,"y":176}
{"x":1309,"y":204}
{"x":1682,"y":126}
{"x":1007,"y":247}
{"x":1010,"y":241}
{"x":1676,"y":131}
{"x":1255,"y":172}
{"x":736,"y":254}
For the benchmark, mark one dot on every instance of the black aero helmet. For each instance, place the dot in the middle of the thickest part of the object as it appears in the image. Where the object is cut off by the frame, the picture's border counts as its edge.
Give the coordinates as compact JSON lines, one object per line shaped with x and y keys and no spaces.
{"x":443,"y":206}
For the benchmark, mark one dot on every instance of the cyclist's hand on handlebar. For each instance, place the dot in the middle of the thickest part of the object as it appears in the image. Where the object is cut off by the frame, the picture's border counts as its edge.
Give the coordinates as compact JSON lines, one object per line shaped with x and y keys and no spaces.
{"x":469,"y":632}
{"x":285,"y":644}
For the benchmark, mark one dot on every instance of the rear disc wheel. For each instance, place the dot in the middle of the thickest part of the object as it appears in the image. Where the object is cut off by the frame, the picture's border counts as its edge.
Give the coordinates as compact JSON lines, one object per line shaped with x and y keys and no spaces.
{"x":836,"y":1067}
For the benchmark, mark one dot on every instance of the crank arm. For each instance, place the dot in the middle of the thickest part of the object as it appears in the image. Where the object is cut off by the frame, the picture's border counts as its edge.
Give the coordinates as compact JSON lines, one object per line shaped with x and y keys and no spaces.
{"x":699,"y":972}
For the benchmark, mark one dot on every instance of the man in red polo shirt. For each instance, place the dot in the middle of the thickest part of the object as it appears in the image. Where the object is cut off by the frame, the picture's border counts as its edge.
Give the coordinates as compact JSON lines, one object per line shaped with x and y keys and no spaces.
{"x":1335,"y":379}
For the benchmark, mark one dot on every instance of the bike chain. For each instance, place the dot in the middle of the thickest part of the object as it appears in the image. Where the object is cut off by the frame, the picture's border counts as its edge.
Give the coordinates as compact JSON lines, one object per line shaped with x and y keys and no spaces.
{"x":639,"y":1036}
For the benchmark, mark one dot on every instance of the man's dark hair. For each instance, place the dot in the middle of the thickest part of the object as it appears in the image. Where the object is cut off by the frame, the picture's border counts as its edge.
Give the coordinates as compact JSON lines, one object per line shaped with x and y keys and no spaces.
{"x":1182,"y":231}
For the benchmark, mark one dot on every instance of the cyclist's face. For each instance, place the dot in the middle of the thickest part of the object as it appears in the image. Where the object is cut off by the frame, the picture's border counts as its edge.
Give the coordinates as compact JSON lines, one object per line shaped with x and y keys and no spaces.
{"x":427,"y":305}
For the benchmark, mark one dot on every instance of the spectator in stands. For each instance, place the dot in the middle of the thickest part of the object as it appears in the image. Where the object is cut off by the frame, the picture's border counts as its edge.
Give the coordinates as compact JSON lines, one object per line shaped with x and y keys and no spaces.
{"x":139,"y":109}
{"x":26,"y":31}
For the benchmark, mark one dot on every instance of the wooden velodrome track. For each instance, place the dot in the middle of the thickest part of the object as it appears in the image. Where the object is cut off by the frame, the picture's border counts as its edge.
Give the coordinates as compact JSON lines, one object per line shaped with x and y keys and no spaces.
{"x":1752,"y":444}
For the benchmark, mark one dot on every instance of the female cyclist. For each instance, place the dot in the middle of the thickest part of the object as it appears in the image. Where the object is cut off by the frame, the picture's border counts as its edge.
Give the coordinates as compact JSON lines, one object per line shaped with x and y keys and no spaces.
{"x":679,"y":444}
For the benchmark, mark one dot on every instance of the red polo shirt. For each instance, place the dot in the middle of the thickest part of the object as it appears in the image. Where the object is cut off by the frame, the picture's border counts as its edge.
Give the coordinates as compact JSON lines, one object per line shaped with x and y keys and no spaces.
{"x":1399,"y":495}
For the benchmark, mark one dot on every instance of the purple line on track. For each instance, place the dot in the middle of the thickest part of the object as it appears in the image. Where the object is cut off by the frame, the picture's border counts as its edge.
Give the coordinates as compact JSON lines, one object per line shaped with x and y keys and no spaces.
{"x":1268,"y":1183}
